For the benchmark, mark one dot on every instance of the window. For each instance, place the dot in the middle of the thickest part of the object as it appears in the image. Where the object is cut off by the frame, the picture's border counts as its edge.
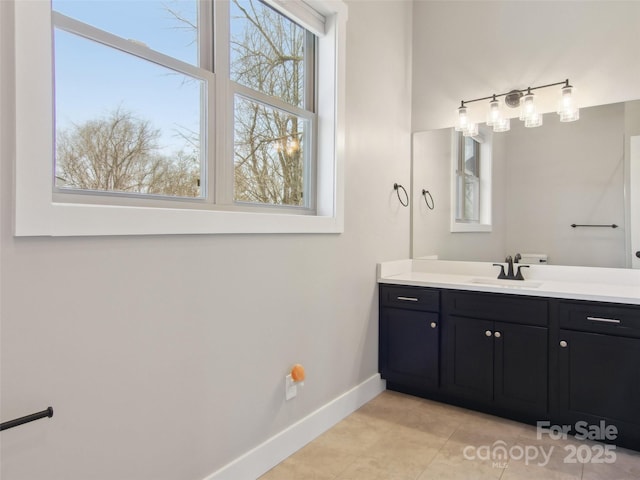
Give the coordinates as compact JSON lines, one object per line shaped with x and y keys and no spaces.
{"x":274,"y":120}
{"x":468,"y":180}
{"x":471,"y":183}
{"x":182,"y":116}
{"x":129,"y":120}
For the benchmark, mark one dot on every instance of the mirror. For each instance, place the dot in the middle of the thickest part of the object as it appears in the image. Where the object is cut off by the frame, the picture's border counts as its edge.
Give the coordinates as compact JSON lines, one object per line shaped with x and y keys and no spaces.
{"x":543,"y":180}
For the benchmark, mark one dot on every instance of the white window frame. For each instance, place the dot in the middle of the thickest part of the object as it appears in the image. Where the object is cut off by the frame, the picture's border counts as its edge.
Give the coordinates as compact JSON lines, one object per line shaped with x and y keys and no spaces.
{"x":485,"y":138}
{"x":37,"y":213}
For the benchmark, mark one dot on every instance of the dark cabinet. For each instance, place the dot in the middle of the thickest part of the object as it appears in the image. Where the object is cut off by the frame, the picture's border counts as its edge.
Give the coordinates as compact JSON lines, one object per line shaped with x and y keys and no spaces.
{"x":409,"y":337}
{"x":468,"y":353}
{"x":598,"y":353}
{"x":520,"y":366}
{"x":571,"y":362}
{"x":493,"y":362}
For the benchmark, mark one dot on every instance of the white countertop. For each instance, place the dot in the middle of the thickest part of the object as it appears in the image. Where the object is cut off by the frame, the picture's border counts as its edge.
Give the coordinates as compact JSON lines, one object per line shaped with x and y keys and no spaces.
{"x":580,"y":283}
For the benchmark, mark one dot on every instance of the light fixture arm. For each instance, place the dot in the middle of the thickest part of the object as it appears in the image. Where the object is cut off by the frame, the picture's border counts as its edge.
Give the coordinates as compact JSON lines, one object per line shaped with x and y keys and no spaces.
{"x":524,"y":90}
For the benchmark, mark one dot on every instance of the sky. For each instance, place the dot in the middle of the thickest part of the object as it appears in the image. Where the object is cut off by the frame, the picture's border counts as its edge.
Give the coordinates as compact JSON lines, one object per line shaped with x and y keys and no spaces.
{"x":92,"y":80}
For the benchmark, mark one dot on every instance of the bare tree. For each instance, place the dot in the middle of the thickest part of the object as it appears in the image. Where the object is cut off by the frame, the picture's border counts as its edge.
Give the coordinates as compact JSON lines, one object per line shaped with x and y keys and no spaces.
{"x":121,"y":153}
{"x":268,"y":56}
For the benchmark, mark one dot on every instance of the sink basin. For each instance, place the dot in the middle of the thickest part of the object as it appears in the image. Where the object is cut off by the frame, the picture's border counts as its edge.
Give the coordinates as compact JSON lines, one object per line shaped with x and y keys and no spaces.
{"x":495,"y":282}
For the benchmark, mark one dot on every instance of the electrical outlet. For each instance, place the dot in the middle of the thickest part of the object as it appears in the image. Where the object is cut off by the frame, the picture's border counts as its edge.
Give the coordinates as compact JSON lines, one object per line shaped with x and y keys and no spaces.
{"x":290,"y":388}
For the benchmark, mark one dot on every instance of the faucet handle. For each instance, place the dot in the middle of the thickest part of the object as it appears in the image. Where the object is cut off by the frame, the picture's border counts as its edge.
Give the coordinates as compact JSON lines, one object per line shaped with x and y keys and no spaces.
{"x":502,"y":275}
{"x":519,"y":274}
{"x":517,"y":258}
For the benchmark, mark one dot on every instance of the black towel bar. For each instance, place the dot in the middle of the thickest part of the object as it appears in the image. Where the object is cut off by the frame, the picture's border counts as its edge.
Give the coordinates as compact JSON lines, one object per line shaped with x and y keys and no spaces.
{"x":29,"y":418}
{"x":613,"y":225}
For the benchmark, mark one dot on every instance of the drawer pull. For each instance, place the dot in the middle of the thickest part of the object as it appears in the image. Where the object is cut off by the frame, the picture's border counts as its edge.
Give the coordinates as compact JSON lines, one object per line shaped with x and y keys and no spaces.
{"x":604,"y":320}
{"x":408,"y":299}
{"x":497,"y":334}
{"x":488,"y":333}
{"x":563,"y":344}
{"x":434,"y":324}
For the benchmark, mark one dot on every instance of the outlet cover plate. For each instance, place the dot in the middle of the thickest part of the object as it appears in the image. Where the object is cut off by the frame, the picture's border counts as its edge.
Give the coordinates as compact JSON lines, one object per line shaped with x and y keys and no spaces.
{"x":290,"y":388}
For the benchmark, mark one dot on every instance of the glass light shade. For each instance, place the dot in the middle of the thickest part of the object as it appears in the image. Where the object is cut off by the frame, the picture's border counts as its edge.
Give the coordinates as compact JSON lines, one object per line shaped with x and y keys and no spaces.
{"x":494,"y":115}
{"x":534,"y":120}
{"x":463,"y":119}
{"x":471,"y":130}
{"x":570,"y":116}
{"x":528,"y":107}
{"x":504,"y":125}
{"x":567,"y":108}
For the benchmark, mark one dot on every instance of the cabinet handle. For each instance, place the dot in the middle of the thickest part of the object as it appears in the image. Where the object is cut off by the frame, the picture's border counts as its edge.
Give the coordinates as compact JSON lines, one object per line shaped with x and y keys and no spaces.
{"x":497,"y":334}
{"x":488,"y":333}
{"x":563,"y":344}
{"x":604,"y":320}
{"x":408,"y":299}
{"x":434,"y":324}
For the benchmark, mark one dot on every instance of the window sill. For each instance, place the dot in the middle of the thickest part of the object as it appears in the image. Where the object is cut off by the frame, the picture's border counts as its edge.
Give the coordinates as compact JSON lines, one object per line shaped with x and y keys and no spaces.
{"x":63,"y":219}
{"x":458,"y":227}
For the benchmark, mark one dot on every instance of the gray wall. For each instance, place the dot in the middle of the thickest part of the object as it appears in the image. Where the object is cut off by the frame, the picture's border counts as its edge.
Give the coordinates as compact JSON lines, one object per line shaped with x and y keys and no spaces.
{"x":560,"y":174}
{"x":164,"y":356}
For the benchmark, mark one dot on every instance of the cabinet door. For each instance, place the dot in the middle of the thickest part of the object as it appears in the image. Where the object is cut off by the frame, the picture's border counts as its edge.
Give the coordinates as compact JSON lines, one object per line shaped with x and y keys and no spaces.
{"x":600,"y":379}
{"x":521,"y":359}
{"x":469,"y":357}
{"x":409,"y":353}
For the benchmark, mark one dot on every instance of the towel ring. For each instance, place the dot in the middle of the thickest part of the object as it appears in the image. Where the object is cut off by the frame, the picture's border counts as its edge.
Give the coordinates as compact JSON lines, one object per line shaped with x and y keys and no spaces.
{"x":424,"y":194}
{"x":397,"y":187}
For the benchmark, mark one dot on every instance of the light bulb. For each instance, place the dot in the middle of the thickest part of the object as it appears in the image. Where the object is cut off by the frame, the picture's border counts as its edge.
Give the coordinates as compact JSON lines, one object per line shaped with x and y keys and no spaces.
{"x":494,"y":116}
{"x":567,"y":109}
{"x":463,"y":119}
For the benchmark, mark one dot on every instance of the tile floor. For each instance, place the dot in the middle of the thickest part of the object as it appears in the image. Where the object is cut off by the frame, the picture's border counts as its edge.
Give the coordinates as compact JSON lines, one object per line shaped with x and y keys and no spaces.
{"x":400,"y":437}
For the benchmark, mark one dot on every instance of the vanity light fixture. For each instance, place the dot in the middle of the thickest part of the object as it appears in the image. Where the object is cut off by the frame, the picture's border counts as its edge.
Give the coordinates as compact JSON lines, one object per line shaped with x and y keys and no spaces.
{"x":525,"y":99}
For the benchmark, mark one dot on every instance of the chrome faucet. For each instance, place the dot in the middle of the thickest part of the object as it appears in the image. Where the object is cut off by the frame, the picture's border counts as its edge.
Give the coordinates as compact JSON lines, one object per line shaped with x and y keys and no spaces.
{"x":510,"y":275}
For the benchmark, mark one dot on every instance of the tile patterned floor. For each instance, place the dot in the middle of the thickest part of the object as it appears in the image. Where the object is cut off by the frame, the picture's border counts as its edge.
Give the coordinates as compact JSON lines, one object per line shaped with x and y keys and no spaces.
{"x":400,"y":437}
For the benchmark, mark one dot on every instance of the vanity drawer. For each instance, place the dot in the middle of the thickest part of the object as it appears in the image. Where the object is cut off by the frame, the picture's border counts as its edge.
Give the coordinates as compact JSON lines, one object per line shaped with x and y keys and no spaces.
{"x":601,"y":318}
{"x":414,"y":298}
{"x":506,"y":308}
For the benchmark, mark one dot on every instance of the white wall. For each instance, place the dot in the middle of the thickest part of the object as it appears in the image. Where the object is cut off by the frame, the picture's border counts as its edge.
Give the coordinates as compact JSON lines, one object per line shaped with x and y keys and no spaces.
{"x":164,"y":357}
{"x":465,"y":50}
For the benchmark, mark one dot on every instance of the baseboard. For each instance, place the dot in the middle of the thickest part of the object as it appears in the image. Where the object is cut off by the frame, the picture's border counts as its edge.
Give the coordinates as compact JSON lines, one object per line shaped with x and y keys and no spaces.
{"x":274,"y":450}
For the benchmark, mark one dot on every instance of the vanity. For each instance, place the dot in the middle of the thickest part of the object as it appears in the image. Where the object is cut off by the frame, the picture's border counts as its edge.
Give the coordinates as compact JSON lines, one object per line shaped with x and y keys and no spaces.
{"x":563,"y":346}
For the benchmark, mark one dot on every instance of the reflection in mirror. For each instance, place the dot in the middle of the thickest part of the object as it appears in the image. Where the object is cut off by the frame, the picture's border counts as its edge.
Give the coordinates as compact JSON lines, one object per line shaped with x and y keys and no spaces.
{"x":543,"y":180}
{"x":471,"y":161}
